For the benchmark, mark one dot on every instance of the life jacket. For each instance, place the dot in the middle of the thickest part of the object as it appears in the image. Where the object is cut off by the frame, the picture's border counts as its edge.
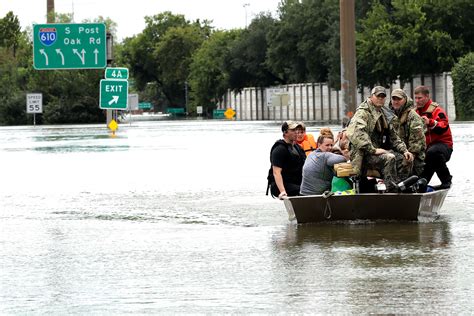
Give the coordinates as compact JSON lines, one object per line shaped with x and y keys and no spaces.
{"x":308,"y":144}
{"x":441,"y":133}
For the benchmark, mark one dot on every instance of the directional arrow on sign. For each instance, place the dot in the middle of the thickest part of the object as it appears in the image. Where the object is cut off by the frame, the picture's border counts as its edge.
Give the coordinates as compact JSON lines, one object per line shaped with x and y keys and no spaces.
{"x":45,"y":56}
{"x":115,"y":99}
{"x":59,"y":52}
{"x":81,"y":55}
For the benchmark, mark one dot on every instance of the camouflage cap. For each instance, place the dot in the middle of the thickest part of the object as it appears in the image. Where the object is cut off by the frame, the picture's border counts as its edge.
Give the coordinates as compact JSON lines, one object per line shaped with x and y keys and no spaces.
{"x":378,"y":90}
{"x":289,"y":125}
{"x":399,"y":93}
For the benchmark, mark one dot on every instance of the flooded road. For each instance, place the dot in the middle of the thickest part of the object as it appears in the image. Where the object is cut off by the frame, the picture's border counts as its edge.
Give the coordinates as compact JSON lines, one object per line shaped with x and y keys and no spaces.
{"x":172,"y":217}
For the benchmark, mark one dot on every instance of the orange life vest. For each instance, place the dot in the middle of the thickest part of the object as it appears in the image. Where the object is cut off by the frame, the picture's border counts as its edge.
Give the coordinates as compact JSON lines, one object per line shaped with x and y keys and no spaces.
{"x":308,"y":144}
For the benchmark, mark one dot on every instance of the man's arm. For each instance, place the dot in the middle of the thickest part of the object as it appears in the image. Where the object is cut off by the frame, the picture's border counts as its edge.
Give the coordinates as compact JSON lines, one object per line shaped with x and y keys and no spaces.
{"x":279,"y":181}
{"x":358,"y":135}
{"x":416,"y":140}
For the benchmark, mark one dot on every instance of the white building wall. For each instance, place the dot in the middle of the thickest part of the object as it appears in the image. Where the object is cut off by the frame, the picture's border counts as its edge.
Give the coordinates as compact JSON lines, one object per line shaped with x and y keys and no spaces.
{"x":317,"y":102}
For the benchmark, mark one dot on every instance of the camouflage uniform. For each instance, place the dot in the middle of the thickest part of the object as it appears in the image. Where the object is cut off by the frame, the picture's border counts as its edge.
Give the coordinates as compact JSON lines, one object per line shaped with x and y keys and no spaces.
{"x":411,"y":130}
{"x":369,"y":129}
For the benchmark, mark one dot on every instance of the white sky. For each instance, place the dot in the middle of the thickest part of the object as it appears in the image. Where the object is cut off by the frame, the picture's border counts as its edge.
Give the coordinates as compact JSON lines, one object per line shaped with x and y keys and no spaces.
{"x":129,"y":15}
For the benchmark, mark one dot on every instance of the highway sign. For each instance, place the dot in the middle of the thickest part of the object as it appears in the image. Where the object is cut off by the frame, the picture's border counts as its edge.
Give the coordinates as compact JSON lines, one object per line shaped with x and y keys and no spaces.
{"x":69,"y":46}
{"x":117,"y":73}
{"x":113,"y":94}
{"x":34,"y":103}
{"x":144,"y":105}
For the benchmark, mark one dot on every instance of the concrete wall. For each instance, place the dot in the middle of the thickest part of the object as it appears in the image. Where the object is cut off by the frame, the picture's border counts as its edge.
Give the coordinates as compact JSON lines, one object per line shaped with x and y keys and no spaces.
{"x":317,"y":102}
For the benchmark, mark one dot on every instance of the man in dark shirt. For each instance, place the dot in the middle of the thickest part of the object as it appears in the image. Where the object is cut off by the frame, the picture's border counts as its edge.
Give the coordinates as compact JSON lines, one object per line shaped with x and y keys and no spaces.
{"x":287,"y":160}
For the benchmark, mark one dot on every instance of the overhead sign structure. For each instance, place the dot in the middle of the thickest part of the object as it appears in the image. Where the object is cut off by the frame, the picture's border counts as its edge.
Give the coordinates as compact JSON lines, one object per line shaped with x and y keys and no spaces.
{"x":34,"y":103}
{"x":118,"y":73}
{"x":69,"y":46}
{"x":113,"y":94}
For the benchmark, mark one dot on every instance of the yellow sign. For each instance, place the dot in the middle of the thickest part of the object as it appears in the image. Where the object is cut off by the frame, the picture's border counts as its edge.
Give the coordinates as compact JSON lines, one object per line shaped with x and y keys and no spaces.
{"x":229,"y":113}
{"x":113,"y":125}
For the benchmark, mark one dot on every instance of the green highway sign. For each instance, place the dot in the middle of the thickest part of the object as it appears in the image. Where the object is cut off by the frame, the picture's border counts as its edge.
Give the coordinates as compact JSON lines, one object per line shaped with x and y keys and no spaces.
{"x":117,"y":73}
{"x":69,"y":46}
{"x":113,"y":94}
{"x":144,"y":105}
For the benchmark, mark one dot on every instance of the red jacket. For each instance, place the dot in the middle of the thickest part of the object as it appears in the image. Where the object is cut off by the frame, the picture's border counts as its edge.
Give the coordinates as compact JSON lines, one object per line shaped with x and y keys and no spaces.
{"x":438,"y":125}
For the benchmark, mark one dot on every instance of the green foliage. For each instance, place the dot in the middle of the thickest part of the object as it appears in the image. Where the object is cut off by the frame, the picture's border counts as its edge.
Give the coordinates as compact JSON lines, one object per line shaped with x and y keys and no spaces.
{"x":10,"y":32}
{"x":401,"y":41}
{"x":208,"y":78}
{"x":463,"y":82}
{"x":304,"y":44}
{"x":246,"y":61}
{"x":162,"y":53}
{"x":69,"y":96}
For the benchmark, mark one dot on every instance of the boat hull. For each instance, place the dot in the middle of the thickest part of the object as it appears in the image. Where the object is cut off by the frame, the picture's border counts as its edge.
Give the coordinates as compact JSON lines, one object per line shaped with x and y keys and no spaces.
{"x":366,"y":206}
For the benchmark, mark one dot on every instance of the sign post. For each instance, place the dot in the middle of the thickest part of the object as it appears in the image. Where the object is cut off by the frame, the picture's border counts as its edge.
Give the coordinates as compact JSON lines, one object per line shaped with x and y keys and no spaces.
{"x":69,"y":46}
{"x":34,"y":104}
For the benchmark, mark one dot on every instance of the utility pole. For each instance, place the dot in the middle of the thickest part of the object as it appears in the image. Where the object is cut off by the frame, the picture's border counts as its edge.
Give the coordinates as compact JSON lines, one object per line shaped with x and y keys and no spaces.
{"x":348,"y":57}
{"x":49,"y":11}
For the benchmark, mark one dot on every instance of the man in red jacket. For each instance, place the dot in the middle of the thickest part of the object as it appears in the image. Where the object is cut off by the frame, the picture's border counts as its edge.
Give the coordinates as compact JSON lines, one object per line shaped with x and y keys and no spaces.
{"x":439,"y":140}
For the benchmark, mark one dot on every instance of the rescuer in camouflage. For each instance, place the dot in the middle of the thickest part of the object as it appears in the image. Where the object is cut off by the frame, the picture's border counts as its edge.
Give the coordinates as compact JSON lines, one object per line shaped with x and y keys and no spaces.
{"x":374,"y":142}
{"x":411,"y":130}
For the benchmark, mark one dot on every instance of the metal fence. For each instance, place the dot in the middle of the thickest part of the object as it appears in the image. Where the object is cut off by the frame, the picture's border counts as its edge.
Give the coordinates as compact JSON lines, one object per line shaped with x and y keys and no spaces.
{"x":318,"y":102}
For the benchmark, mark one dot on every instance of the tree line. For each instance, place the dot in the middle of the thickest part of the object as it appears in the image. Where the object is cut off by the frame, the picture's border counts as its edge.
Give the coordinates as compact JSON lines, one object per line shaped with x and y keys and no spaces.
{"x":395,"y":39}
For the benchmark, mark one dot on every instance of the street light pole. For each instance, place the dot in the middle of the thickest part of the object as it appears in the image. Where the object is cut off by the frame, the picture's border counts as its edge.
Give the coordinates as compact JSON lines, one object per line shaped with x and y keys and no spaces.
{"x":186,"y":95}
{"x":245,"y":5}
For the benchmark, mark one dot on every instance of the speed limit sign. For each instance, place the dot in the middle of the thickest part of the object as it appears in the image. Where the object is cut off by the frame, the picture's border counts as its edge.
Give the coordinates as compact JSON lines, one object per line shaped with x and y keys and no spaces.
{"x":34,"y":103}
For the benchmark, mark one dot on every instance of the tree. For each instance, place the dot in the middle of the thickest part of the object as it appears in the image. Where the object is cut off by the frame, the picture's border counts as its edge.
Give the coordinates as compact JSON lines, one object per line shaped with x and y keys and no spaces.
{"x":209,"y":77}
{"x":304,"y":44}
{"x":463,"y":82}
{"x":10,"y":32}
{"x":399,"y":43}
{"x":173,"y":55}
{"x":147,"y":53}
{"x":283,"y":57}
{"x":246,"y":62}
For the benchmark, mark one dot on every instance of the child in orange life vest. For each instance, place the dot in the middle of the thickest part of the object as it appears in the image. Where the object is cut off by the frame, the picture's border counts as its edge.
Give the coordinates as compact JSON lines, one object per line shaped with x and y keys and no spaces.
{"x":306,"y":141}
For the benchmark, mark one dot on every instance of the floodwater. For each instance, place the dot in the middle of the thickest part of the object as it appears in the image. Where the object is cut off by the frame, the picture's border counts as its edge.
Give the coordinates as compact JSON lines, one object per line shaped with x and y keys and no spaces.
{"x":172,"y":217}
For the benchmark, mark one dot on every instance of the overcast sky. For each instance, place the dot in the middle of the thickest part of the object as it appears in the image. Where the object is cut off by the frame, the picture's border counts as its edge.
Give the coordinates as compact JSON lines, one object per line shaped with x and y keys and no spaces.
{"x":129,"y":15}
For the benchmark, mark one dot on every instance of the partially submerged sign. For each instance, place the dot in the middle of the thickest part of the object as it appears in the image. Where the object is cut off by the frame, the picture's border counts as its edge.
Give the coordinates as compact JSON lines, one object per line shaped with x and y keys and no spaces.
{"x":34,"y":103}
{"x":229,"y":113}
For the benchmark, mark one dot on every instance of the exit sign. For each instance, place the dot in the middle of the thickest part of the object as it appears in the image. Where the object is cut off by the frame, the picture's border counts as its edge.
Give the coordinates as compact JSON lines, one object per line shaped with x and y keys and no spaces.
{"x":118,"y":73}
{"x":69,"y":46}
{"x":113,"y":94}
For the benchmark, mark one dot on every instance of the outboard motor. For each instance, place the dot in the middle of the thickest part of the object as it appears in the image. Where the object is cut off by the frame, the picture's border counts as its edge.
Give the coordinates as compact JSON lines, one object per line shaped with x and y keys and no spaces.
{"x":420,"y":186}
{"x":405,"y":185}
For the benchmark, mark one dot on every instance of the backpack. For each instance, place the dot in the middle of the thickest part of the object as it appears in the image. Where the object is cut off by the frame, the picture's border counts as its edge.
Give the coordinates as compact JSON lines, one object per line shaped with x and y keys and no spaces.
{"x":270,"y":177}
